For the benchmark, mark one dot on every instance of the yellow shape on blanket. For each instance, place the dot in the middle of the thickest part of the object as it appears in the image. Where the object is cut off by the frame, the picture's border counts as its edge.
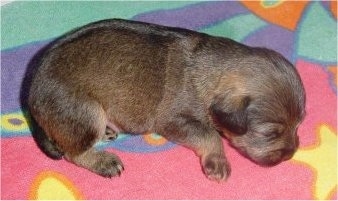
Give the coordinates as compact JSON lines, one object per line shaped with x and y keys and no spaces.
{"x":15,"y":122}
{"x":322,"y":159}
{"x":50,"y":185}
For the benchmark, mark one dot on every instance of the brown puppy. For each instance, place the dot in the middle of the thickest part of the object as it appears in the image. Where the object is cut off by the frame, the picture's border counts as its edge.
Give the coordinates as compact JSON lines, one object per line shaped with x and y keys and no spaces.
{"x":118,"y":75}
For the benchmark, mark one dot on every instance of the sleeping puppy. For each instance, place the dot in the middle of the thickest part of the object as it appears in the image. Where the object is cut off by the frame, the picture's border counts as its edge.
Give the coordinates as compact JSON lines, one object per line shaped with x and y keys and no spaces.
{"x":117,"y":76}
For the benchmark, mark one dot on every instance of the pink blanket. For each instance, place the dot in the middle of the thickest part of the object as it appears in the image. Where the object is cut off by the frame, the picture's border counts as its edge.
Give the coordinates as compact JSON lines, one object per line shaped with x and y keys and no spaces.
{"x":304,"y":32}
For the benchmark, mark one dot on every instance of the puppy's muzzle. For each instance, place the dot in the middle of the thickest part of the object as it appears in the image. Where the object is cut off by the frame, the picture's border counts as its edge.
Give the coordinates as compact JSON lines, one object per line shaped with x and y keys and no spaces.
{"x":277,"y":156}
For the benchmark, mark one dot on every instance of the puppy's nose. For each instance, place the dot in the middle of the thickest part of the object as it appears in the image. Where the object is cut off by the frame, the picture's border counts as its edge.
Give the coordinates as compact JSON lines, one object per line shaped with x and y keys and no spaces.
{"x":297,"y":142}
{"x":287,"y":153}
{"x":289,"y":150}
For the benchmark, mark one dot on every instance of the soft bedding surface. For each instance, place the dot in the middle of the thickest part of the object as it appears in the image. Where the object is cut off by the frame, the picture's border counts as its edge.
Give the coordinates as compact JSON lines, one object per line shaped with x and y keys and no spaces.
{"x":305,"y":32}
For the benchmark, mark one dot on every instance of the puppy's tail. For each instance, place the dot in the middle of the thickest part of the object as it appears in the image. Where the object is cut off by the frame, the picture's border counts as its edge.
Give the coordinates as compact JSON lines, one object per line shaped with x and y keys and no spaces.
{"x":47,"y":145}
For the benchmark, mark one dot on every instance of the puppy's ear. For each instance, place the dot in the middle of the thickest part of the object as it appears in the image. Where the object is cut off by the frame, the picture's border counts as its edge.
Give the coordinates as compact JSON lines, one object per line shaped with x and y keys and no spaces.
{"x":231,"y":113}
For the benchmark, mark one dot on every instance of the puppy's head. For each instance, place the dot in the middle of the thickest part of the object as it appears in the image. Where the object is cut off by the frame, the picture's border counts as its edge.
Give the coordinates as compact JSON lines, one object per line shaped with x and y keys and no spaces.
{"x":259,"y":106}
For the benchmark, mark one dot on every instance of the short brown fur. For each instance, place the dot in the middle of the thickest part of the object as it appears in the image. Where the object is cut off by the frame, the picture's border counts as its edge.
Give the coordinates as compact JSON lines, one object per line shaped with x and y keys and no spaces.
{"x":186,"y":86}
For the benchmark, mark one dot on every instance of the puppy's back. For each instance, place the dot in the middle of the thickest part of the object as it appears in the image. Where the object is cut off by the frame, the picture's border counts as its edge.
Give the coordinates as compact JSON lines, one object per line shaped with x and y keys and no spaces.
{"x":120,"y":64}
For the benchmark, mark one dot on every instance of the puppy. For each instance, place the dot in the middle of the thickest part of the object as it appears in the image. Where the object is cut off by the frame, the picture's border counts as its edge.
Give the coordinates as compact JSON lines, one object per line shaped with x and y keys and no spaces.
{"x":123,"y":76}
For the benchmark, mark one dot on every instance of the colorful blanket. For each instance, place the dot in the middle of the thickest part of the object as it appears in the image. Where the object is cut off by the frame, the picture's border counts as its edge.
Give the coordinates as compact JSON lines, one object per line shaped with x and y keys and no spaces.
{"x":305,"y":32}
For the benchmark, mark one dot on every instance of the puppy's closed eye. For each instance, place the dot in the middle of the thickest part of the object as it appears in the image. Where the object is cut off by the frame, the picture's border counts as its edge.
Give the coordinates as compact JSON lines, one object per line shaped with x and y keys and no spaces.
{"x":231,"y":116}
{"x":271,"y":130}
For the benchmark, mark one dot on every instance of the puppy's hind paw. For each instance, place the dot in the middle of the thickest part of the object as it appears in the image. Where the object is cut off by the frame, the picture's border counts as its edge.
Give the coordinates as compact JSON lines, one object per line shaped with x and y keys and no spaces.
{"x":216,"y":168}
{"x":108,"y":166}
{"x":110,"y":135}
{"x":100,"y":162}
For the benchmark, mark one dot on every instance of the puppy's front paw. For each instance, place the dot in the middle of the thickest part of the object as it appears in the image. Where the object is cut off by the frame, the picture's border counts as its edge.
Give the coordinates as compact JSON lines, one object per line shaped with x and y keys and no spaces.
{"x":216,"y":167}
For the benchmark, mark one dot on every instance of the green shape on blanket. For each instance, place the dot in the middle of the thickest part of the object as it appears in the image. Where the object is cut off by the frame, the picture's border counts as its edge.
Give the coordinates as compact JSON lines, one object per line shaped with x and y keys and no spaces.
{"x":24,"y":22}
{"x":236,"y":28}
{"x":270,"y":3}
{"x":318,"y":35}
